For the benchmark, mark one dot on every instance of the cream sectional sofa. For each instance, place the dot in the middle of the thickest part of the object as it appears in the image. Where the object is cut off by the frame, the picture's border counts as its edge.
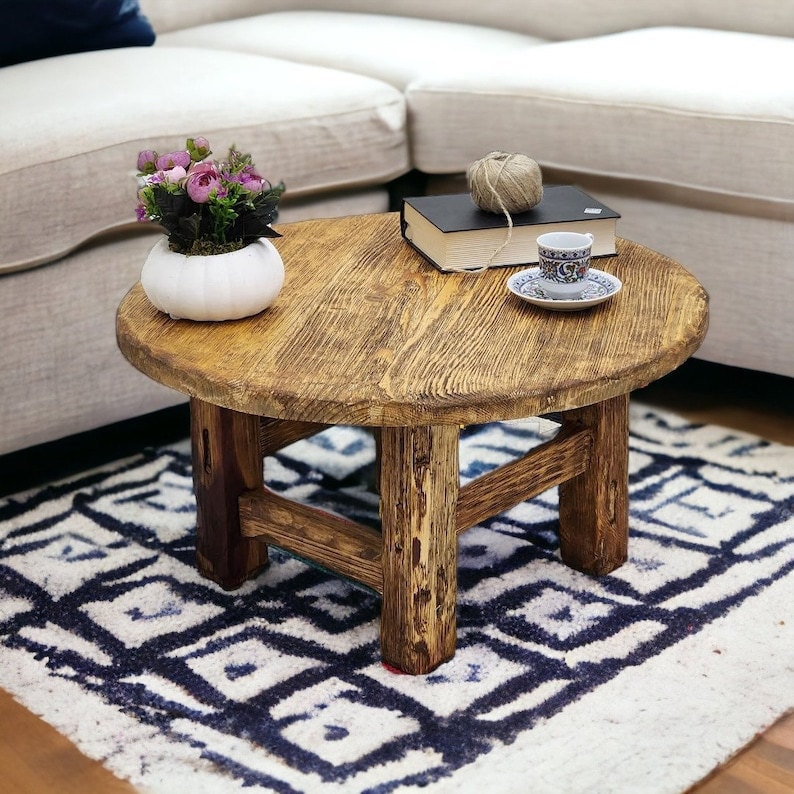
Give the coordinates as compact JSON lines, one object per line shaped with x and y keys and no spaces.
{"x":678,"y":114}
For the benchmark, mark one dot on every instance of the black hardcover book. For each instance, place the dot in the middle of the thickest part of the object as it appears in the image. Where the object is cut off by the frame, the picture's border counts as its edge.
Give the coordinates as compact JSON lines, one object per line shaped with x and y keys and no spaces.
{"x":453,"y":233}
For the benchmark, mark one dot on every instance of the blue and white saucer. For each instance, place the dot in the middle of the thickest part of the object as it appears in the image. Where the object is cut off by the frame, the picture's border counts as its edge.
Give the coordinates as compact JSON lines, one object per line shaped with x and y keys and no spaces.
{"x":600,"y":287}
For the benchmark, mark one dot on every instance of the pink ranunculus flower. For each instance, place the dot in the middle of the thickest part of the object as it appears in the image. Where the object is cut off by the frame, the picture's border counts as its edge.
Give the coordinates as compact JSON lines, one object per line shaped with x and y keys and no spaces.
{"x":146,"y":160}
{"x":171,"y":160}
{"x":174,"y":175}
{"x":202,"y":179}
{"x":204,"y":168}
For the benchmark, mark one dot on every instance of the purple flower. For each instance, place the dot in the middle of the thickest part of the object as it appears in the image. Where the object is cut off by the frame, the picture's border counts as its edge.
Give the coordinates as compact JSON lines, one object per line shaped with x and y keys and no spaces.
{"x":253,"y":183}
{"x":140,"y":213}
{"x":146,"y":161}
{"x":171,"y":160}
{"x":202,"y":180}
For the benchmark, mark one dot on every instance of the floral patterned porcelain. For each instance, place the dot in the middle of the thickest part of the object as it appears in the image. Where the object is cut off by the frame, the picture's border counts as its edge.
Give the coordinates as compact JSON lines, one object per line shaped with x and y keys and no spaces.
{"x":564,"y":260}
{"x":599,"y":288}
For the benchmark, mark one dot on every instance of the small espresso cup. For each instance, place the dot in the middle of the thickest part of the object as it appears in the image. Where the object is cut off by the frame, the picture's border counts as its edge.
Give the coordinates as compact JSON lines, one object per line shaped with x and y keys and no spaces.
{"x":564,"y":259}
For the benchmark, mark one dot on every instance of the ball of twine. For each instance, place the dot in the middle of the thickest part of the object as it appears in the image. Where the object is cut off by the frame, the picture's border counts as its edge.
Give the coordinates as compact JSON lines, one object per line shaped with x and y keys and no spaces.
{"x":505,"y":183}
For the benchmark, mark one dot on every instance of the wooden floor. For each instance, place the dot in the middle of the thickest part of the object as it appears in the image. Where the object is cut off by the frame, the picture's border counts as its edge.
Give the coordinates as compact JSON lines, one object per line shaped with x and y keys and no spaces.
{"x":35,"y":759}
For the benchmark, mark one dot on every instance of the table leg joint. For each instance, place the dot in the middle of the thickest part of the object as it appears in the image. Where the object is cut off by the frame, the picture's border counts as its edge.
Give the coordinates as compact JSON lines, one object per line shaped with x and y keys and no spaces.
{"x":543,"y":467}
{"x":344,"y":547}
{"x":274,"y":434}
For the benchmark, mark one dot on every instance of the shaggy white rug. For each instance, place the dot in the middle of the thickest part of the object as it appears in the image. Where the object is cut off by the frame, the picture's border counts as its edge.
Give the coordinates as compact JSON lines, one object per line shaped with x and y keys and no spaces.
{"x":643,"y":680}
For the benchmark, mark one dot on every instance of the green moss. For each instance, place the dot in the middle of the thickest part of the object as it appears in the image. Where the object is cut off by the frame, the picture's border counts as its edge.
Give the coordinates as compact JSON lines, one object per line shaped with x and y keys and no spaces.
{"x":209,"y":248}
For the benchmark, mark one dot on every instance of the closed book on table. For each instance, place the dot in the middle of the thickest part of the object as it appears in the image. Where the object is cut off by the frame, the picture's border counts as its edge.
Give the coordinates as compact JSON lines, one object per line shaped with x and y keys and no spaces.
{"x":453,"y":233}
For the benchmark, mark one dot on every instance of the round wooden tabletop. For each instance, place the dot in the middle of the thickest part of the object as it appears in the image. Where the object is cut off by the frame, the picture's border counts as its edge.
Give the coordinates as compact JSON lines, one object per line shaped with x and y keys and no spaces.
{"x":366,"y":332}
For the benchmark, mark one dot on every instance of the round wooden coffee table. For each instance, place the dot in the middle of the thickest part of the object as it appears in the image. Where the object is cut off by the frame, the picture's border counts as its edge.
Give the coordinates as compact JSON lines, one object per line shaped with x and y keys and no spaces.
{"x":366,"y":332}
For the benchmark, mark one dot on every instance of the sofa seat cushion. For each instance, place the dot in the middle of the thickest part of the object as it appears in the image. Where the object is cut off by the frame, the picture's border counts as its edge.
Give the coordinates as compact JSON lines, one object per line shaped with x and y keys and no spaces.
{"x":394,"y":49}
{"x":75,"y":130}
{"x":682,"y":106}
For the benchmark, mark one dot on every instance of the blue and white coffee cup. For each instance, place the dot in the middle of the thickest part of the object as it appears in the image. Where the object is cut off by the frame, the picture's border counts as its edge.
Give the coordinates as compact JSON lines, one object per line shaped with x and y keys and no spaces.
{"x":564,"y":260}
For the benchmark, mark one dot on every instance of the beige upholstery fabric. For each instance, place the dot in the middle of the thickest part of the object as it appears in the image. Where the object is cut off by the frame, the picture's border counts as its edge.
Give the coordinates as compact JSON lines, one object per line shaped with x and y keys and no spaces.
{"x":549,"y":19}
{"x":569,"y":19}
{"x":317,"y":129}
{"x":751,"y":319}
{"x":333,"y":205}
{"x":166,"y":15}
{"x":394,"y":49}
{"x":679,"y":106}
{"x":62,"y":372}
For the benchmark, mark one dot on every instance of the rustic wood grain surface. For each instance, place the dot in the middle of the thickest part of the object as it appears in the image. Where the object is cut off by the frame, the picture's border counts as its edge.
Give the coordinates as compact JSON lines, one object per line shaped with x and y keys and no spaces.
{"x":367,"y":332}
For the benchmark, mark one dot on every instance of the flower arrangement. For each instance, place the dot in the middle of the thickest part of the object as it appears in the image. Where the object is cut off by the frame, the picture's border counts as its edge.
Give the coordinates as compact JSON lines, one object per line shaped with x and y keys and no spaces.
{"x":206,"y":206}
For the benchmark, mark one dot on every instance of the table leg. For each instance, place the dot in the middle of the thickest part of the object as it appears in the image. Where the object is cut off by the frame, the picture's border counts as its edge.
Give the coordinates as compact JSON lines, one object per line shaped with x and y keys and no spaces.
{"x":419,"y":484}
{"x":594,"y":506}
{"x":227,"y":460}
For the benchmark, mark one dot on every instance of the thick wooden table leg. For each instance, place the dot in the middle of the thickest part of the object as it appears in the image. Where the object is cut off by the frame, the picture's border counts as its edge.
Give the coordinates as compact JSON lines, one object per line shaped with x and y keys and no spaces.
{"x":594,"y":506}
{"x":419,"y":485}
{"x":226,"y":461}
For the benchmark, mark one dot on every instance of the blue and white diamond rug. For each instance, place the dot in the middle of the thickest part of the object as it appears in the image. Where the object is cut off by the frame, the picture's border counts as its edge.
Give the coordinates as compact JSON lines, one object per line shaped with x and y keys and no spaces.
{"x":641,"y":681}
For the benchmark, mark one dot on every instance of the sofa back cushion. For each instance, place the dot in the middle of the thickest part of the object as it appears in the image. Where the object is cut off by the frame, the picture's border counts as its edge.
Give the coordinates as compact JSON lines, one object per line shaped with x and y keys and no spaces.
{"x":547,"y":19}
{"x":60,"y":27}
{"x":169,"y":15}
{"x":72,"y":128}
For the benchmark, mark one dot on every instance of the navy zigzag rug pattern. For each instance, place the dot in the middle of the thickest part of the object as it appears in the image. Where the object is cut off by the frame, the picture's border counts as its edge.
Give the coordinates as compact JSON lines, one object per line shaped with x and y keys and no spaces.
{"x":278,"y":686}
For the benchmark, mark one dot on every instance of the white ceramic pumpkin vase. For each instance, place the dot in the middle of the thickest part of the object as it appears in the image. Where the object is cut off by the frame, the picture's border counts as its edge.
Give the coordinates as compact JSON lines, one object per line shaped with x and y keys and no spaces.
{"x":219,"y":287}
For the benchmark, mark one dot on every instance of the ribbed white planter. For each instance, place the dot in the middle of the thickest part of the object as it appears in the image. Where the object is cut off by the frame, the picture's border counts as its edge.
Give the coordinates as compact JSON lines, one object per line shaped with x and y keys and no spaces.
{"x":220,"y":287}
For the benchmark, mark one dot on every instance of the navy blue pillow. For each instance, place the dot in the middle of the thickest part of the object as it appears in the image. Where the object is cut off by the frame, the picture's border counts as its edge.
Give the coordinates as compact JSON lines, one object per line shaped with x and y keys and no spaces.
{"x":33,"y":29}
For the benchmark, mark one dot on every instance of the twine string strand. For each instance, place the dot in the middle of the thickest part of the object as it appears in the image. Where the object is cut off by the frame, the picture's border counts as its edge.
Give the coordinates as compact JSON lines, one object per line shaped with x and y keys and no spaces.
{"x":504,"y":183}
